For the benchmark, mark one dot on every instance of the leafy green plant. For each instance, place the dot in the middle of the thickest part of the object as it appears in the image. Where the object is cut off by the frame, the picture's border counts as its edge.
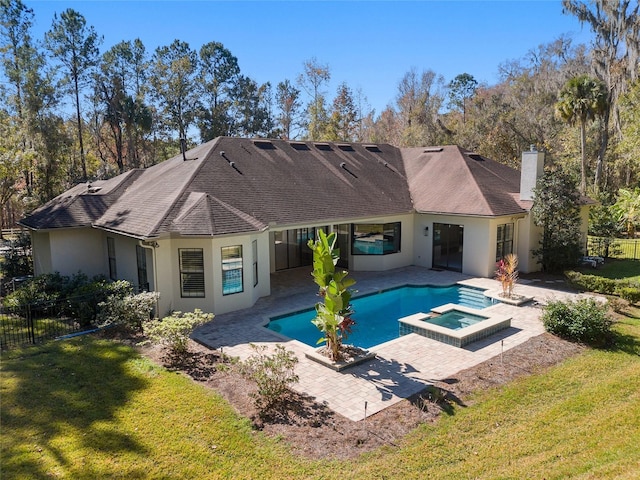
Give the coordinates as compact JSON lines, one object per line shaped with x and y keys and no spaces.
{"x":272,"y":373}
{"x":556,"y":208}
{"x":333,"y":314}
{"x":38,"y":289}
{"x":18,"y":260}
{"x":81,"y":293}
{"x":583,"y":320}
{"x":625,"y":288}
{"x":173,"y":331}
{"x":507,"y":273}
{"x":628,"y":208}
{"x":630,"y":293}
{"x":130,"y":311}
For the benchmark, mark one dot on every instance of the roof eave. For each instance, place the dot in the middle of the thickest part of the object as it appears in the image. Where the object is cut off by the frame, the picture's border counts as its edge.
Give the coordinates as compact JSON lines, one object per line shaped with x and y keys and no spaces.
{"x":475,"y":215}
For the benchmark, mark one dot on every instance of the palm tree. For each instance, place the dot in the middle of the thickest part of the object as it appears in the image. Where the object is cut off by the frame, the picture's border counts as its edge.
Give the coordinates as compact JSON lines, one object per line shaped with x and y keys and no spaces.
{"x":582,"y":99}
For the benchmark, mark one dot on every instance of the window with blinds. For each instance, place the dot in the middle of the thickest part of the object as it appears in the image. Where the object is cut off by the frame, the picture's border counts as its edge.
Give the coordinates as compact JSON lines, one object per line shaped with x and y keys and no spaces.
{"x":191,"y":272}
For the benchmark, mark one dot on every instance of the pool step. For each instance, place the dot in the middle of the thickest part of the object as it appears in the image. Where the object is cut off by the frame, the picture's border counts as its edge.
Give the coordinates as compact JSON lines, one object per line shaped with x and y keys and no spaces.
{"x":472,"y":297}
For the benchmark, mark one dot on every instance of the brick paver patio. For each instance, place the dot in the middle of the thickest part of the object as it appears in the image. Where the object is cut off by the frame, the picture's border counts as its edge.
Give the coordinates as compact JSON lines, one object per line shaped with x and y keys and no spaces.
{"x":402,"y":367}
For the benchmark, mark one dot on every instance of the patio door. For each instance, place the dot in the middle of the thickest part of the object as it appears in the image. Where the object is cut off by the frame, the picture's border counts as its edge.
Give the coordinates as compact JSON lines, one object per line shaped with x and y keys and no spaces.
{"x":343,"y":231}
{"x":291,"y":250}
{"x":447,"y":246}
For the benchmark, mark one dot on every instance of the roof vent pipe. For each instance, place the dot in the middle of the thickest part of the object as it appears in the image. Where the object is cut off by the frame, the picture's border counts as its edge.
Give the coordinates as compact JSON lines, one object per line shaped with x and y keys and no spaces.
{"x":183,"y":148}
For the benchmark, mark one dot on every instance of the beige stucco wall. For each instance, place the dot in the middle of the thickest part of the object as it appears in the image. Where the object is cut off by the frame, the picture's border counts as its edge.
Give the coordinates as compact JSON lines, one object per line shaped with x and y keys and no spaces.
{"x":126,"y":262}
{"x":168,"y":274}
{"x":528,"y":239}
{"x":584,"y":229}
{"x":41,"y":252}
{"x":478,"y":250}
{"x":69,"y":251}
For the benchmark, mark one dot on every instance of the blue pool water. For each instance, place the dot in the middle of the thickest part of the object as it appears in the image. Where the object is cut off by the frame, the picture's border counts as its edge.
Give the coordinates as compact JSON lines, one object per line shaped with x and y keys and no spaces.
{"x":455,"y":320}
{"x":376,"y":315}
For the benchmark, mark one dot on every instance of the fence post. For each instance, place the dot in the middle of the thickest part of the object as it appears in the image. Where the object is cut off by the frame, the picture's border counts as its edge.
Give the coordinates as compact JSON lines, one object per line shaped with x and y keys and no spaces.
{"x":30,"y":326}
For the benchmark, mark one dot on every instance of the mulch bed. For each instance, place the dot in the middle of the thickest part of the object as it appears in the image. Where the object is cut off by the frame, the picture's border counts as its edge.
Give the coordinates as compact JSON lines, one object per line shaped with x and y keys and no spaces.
{"x":314,"y":431}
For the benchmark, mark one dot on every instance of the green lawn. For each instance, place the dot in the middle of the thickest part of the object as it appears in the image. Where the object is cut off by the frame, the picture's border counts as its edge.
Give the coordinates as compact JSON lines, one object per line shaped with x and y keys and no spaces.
{"x":629,"y":269}
{"x":91,"y":409}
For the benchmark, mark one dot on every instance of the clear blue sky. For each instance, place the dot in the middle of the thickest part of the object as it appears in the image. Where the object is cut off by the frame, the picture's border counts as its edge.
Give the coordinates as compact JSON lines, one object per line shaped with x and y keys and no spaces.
{"x":368,"y":44}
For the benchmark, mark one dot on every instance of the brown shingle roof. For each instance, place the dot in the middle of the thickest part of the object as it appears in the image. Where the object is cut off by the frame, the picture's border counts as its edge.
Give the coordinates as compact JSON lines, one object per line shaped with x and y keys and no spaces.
{"x":81,"y":205}
{"x":234,"y":185}
{"x":451,"y":180}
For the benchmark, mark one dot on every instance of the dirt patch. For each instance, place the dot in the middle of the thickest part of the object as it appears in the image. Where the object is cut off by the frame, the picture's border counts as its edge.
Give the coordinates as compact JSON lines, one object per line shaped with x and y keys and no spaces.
{"x":314,"y":431}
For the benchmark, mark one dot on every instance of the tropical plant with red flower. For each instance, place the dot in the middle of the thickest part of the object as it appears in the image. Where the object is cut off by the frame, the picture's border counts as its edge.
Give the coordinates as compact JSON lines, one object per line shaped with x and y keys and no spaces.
{"x":507,"y":273}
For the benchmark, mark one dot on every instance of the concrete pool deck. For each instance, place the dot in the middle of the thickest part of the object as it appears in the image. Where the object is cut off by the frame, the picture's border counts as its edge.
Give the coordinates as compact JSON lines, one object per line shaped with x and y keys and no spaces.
{"x":403,"y":366}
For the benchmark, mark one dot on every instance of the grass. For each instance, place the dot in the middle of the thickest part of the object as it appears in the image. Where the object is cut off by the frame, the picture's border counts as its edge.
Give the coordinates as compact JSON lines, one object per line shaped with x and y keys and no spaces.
{"x":615,"y":269}
{"x":87,"y":408}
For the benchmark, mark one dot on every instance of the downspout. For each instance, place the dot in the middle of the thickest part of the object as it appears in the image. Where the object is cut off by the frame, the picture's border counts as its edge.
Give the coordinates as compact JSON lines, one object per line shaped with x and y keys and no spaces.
{"x":152,"y":246}
{"x":516,"y":239}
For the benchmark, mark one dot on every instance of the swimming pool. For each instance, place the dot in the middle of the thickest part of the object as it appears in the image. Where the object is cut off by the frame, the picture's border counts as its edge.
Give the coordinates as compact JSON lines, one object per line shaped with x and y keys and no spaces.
{"x":376,"y":315}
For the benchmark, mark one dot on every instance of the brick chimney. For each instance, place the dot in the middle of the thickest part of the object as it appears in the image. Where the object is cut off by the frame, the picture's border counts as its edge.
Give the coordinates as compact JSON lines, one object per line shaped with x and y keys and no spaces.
{"x":532,"y":168}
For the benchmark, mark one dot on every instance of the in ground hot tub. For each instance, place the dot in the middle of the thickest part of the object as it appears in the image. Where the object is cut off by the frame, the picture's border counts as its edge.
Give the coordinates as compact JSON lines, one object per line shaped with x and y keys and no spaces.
{"x":454,"y":324}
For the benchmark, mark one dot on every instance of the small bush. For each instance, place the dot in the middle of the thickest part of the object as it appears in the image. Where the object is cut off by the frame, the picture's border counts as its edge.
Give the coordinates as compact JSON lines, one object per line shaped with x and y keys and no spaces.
{"x":18,"y":260}
{"x":592,"y":283}
{"x":272,"y":373}
{"x":174,"y":331}
{"x":42,"y":288}
{"x":83,"y":294}
{"x":627,"y":289}
{"x":630,"y":294}
{"x":130,"y":311}
{"x":583,"y":320}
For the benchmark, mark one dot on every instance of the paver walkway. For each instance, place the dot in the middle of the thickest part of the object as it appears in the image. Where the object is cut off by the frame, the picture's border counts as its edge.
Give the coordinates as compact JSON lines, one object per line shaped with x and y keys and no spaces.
{"x":402,"y":367}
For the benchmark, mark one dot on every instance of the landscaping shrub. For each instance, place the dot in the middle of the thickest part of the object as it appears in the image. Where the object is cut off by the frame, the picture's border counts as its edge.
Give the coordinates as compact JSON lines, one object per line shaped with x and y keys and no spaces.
{"x":272,"y":373}
{"x":38,"y":289}
{"x":584,"y":320}
{"x":77,"y":296}
{"x":630,"y":293}
{"x":595,"y":283}
{"x":18,"y":260}
{"x":173,"y":331}
{"x":83,"y":296}
{"x":130,"y":311}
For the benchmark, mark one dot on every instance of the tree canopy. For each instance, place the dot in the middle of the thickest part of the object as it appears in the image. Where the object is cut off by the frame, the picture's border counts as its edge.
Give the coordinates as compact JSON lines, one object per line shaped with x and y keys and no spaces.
{"x":72,"y":112}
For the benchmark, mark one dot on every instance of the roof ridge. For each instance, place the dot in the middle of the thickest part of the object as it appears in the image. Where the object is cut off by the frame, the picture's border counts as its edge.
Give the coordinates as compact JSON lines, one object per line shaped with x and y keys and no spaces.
{"x":465,"y":153}
{"x":236,"y":211}
{"x":197,"y":200}
{"x":184,"y":188}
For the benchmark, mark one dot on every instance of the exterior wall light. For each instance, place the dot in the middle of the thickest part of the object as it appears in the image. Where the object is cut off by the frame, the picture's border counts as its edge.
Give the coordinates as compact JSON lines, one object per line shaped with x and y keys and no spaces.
{"x":426,"y":231}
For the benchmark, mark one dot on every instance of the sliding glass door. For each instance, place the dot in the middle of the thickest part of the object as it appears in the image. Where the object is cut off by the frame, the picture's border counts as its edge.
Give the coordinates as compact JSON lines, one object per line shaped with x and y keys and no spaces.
{"x":291,"y":249}
{"x":447,"y":246}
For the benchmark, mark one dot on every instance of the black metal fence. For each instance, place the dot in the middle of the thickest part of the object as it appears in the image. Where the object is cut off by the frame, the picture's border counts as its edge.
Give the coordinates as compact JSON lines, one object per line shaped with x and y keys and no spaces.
{"x":608,"y":247}
{"x":38,"y":322}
